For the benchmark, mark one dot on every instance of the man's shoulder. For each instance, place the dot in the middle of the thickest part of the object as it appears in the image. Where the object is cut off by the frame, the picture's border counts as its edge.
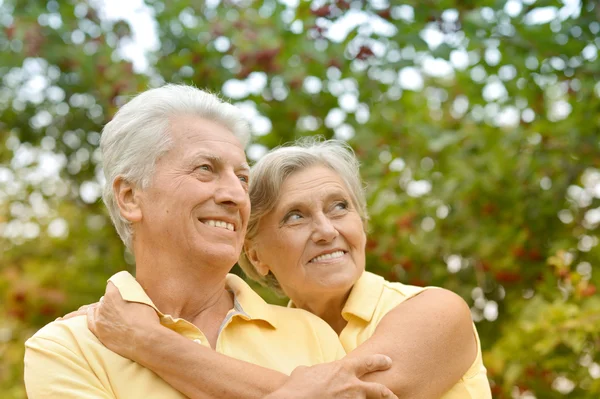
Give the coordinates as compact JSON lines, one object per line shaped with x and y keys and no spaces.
{"x":69,"y":333}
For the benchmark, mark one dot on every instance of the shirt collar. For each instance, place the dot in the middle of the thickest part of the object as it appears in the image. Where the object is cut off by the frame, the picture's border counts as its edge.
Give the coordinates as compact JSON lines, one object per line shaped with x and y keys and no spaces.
{"x":247,"y":303}
{"x":131,"y":290}
{"x":250,"y":305}
{"x":364,"y":297}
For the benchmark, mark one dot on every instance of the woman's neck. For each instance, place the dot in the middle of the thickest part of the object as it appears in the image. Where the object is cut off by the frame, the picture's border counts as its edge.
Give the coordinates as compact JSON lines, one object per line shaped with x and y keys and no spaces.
{"x":327,"y":307}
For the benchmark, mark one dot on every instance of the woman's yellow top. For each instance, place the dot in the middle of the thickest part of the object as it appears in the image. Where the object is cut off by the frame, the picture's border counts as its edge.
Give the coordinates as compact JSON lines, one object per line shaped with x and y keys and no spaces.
{"x":371,"y":299}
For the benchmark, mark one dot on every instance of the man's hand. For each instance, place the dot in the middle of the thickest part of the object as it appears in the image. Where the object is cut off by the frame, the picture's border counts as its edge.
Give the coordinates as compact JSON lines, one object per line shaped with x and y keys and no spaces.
{"x":118,"y":324}
{"x":337,"y":380}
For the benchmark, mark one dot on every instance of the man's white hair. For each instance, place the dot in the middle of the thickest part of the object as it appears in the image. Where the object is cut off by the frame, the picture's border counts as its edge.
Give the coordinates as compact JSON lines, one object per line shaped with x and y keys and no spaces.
{"x":138,"y":135}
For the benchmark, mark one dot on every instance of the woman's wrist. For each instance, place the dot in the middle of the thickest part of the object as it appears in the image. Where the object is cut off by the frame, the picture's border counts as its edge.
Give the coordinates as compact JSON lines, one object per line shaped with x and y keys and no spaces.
{"x":147,"y":340}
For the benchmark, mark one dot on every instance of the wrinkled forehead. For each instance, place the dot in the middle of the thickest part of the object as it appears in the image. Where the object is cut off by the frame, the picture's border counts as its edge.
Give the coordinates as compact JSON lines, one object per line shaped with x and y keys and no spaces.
{"x":313,"y":183}
{"x":191,"y":134}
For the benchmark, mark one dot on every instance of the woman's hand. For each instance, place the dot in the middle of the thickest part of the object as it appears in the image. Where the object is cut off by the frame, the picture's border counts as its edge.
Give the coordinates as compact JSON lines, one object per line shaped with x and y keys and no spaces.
{"x":119,"y":325}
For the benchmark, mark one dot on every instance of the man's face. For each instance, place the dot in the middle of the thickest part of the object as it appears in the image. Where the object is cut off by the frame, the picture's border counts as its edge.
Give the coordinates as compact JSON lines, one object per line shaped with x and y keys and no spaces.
{"x":197,"y":206}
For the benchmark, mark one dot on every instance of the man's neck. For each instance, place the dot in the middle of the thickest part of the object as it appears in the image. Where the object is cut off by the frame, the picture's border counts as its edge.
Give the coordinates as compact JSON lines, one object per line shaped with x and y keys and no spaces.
{"x":194,"y":292}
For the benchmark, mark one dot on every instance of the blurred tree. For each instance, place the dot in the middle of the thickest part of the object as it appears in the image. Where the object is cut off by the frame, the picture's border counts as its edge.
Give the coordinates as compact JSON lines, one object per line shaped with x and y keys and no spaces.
{"x":477,"y":123}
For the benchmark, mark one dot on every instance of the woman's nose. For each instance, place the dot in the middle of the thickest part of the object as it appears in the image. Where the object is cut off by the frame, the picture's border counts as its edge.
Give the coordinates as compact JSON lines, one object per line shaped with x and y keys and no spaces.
{"x":323,"y":229}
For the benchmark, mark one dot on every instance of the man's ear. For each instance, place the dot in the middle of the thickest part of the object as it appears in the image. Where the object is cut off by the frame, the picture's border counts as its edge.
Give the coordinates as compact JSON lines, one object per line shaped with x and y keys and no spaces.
{"x":127,"y":199}
{"x":254,"y":258}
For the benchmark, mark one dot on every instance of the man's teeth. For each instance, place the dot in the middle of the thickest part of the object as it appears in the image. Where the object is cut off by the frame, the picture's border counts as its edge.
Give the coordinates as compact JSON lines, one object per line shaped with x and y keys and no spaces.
{"x":332,"y":255}
{"x":219,"y":223}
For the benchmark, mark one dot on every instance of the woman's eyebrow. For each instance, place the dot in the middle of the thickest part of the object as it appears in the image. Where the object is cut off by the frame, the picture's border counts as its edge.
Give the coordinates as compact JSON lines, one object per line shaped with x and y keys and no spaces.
{"x":291,"y":205}
{"x":296,"y":204}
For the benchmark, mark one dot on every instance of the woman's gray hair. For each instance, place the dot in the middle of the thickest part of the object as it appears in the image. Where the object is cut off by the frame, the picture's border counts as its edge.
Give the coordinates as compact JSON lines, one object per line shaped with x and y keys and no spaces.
{"x":271,"y":171}
{"x":138,"y":135}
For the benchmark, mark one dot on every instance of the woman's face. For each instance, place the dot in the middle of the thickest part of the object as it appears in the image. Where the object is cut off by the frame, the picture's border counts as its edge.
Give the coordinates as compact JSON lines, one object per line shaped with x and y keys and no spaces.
{"x":313,"y":241}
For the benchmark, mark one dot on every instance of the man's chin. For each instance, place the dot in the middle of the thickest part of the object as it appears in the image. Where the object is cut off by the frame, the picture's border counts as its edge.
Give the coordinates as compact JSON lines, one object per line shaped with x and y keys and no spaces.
{"x":219,"y":256}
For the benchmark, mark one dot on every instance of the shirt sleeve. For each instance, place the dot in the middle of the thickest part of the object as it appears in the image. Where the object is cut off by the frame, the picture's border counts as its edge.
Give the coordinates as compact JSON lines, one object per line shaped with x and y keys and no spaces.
{"x":54,"y":371}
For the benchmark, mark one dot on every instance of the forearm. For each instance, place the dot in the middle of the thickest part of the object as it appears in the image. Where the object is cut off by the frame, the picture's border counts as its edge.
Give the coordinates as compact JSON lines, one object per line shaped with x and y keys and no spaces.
{"x":202,"y":373}
{"x":431,"y":342}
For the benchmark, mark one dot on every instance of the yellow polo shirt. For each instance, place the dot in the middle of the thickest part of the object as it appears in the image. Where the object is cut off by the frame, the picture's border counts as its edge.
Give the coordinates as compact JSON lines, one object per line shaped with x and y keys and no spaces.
{"x":65,"y":360}
{"x":371,"y":299}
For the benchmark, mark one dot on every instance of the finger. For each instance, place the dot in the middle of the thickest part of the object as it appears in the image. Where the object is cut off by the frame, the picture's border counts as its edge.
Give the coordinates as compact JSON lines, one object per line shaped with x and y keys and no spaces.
{"x":373,"y":390}
{"x":369,"y":363}
{"x":83,"y":308}
{"x":72,"y":314}
{"x":91,"y":318}
{"x":112,"y":292}
{"x":81,"y":311}
{"x":115,"y":301}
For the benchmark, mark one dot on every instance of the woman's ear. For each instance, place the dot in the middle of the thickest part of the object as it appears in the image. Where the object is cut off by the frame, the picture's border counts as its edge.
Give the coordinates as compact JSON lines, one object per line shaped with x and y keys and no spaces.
{"x":254,"y":258}
{"x":127,"y":199}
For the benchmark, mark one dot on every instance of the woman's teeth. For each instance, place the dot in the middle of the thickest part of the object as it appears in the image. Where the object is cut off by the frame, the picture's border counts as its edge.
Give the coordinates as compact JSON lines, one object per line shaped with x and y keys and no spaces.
{"x":333,"y":255}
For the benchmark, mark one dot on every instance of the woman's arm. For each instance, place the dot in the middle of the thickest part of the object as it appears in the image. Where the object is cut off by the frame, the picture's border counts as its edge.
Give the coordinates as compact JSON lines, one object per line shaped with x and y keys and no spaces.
{"x":133,"y":331}
{"x":200,"y":372}
{"x":431,"y":342}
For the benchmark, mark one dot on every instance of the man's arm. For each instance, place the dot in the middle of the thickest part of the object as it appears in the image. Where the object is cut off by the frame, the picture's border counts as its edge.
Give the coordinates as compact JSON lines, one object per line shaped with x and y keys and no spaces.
{"x":54,"y":371}
{"x":431,"y":341}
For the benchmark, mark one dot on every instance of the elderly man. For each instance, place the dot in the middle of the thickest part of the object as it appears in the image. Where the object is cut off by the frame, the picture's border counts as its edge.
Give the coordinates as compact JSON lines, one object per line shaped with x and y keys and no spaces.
{"x":176,"y":191}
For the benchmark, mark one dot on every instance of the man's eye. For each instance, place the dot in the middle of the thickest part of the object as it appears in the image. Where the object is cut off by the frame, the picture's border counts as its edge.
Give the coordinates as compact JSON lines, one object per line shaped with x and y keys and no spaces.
{"x":204,"y":167}
{"x":244,"y":179}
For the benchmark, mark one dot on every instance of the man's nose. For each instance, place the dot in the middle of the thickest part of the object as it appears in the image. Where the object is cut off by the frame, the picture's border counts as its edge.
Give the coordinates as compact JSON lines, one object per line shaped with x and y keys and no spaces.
{"x":323,"y":229}
{"x":231,"y":191}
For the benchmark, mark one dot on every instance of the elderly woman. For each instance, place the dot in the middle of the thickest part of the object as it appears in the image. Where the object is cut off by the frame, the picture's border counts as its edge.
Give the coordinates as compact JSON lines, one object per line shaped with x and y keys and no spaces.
{"x":306,"y":239}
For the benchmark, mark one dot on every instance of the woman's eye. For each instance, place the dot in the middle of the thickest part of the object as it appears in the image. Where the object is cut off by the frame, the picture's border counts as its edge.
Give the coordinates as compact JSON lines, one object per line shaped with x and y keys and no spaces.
{"x":292,"y":217}
{"x":342,"y":205}
{"x":244,"y":179}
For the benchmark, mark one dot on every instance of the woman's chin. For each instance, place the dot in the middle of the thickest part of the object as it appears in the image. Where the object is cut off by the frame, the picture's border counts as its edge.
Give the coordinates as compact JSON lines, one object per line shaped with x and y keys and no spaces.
{"x":341,"y":281}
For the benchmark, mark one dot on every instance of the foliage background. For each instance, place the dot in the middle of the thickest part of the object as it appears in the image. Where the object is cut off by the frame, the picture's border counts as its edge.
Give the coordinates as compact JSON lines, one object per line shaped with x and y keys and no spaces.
{"x":478,"y":125}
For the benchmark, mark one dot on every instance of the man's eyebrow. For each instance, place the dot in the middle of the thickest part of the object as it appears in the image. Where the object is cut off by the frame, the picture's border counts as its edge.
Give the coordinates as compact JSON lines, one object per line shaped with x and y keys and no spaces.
{"x":204,"y":156}
{"x":216,"y":159}
{"x":244,"y":166}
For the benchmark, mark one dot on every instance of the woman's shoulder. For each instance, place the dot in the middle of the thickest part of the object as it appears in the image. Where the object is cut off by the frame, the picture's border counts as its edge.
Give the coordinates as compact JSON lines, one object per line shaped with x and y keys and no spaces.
{"x":405,"y":290}
{"x":408,"y":291}
{"x":299,"y":317}
{"x":429,"y":297}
